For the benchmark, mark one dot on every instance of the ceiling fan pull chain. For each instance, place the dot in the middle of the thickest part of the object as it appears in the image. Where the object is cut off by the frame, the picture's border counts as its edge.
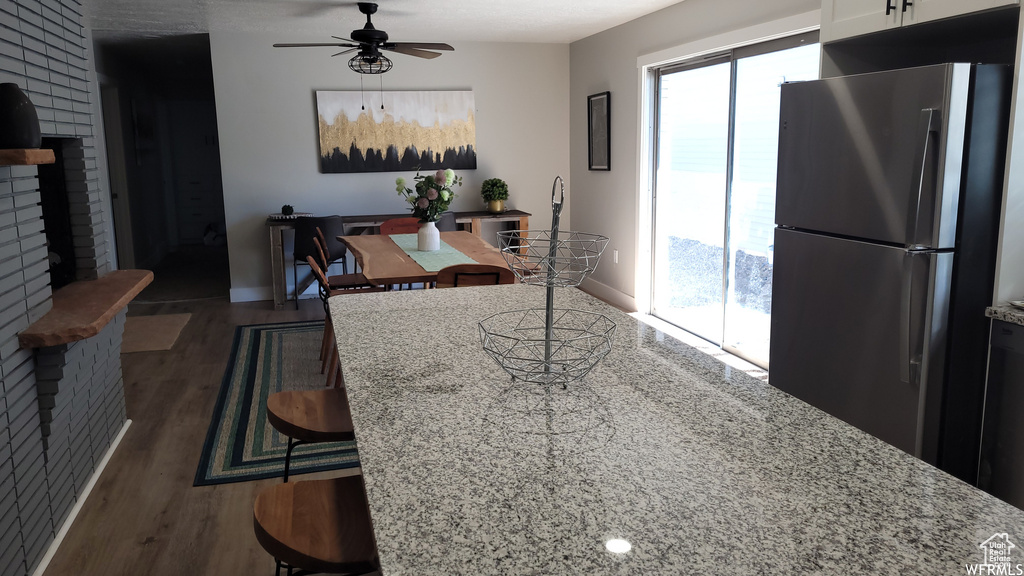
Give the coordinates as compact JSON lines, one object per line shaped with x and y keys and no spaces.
{"x":381,"y":90}
{"x":362,"y":99}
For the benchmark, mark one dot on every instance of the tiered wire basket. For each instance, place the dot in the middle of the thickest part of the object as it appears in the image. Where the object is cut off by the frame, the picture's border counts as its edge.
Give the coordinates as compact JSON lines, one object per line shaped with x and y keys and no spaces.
{"x":549,"y":345}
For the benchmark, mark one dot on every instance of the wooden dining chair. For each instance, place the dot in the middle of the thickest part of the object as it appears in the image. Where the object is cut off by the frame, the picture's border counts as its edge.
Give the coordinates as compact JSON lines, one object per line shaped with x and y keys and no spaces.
{"x":340,"y":251}
{"x":317,"y":526}
{"x":328,"y":352}
{"x":337,"y":281}
{"x":305,"y":234}
{"x":474,"y":275}
{"x":408,"y":225}
{"x":328,"y":231}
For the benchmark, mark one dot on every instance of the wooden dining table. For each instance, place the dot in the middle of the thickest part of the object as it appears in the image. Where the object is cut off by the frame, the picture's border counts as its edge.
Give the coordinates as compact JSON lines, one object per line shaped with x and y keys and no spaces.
{"x":384,"y":263}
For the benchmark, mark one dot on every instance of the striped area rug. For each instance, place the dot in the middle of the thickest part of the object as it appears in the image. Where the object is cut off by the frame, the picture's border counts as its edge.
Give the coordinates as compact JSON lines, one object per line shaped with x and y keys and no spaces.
{"x":240,"y":444}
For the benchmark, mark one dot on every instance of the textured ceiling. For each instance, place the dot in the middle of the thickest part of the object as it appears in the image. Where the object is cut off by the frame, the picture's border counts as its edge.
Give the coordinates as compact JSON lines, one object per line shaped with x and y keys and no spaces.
{"x":557,"y":21}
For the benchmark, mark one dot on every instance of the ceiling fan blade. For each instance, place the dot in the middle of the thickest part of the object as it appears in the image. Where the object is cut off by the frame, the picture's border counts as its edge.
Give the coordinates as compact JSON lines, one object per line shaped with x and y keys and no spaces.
{"x":344,"y":52}
{"x":423,"y":45}
{"x":335,"y":44}
{"x":410,"y":51}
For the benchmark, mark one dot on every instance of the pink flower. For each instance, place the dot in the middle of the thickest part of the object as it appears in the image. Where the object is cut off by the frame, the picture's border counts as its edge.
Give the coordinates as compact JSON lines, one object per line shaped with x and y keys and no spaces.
{"x":423,"y":203}
{"x":440,"y":178}
{"x":431,"y":194}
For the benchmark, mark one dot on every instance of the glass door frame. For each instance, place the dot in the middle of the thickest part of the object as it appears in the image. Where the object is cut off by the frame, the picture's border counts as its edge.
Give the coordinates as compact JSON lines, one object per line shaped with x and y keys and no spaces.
{"x":649,"y":158}
{"x":660,"y":73}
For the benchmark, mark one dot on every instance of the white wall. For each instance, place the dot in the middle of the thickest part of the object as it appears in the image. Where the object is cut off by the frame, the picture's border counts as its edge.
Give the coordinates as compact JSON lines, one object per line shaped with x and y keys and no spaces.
{"x":267,"y":122}
{"x":606,"y":202}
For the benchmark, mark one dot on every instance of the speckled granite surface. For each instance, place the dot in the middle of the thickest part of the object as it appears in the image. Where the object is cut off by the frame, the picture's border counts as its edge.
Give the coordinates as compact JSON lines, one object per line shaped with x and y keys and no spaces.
{"x":1006,"y":314}
{"x":704,"y":469}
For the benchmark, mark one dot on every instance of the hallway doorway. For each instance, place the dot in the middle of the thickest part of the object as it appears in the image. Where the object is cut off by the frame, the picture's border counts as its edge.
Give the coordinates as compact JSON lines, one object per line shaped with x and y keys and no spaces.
{"x":164,"y":162}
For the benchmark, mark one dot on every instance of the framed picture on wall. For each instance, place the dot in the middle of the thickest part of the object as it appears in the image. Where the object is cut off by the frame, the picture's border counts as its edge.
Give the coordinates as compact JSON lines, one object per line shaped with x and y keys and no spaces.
{"x":599,"y":149}
{"x":396,"y":131}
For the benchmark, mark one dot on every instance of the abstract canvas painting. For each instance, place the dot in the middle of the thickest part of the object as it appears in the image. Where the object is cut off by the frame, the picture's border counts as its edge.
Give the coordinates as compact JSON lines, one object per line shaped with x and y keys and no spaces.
{"x":413,"y":130}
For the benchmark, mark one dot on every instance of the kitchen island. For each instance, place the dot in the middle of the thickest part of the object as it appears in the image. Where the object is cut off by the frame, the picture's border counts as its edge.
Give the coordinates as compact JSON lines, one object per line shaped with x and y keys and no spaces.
{"x":701,"y":468}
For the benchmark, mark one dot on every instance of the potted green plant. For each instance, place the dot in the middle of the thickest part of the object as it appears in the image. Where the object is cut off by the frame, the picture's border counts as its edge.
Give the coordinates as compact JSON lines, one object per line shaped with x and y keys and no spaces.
{"x":494,"y":191}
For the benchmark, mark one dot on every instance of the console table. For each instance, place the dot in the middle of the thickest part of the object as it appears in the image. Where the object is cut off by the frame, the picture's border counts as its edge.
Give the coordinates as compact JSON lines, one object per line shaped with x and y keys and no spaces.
{"x":370,"y":224}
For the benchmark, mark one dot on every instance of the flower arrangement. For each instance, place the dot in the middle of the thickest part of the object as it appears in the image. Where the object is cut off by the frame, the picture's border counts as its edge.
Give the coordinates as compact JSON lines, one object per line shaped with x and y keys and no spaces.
{"x":432,"y":195}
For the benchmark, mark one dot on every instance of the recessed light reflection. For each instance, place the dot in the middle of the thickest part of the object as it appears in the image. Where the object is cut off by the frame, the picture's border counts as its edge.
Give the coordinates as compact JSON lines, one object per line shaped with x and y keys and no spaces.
{"x":618,"y":546}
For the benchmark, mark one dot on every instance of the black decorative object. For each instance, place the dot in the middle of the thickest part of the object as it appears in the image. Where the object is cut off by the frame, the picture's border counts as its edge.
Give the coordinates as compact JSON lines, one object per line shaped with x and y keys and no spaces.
{"x":549,"y":346}
{"x":19,"y":123}
{"x":370,"y":63}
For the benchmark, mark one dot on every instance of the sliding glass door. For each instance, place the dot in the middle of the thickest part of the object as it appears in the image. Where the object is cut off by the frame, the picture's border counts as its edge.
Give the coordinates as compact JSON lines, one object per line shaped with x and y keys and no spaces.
{"x":689,"y":217}
{"x":714,"y":196}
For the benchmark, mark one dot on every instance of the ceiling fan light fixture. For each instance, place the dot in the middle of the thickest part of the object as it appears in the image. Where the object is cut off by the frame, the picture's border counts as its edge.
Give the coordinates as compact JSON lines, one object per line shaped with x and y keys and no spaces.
{"x":370,"y":63}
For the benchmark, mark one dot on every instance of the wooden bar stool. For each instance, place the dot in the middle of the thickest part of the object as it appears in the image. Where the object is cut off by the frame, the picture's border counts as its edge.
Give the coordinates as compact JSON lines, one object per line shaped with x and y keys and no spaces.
{"x":317,"y":526}
{"x":308,"y":416}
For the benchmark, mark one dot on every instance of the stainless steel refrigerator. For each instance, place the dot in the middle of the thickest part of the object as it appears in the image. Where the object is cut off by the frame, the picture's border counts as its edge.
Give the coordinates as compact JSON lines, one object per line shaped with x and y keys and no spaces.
{"x":887,"y":210}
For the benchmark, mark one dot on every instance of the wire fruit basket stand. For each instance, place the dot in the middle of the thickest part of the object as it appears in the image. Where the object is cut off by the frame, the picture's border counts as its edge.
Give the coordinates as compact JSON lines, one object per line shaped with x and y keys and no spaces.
{"x":549,"y":345}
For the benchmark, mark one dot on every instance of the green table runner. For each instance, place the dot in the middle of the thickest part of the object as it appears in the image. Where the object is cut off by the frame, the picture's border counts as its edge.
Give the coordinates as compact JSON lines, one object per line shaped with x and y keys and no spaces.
{"x":431,"y":261}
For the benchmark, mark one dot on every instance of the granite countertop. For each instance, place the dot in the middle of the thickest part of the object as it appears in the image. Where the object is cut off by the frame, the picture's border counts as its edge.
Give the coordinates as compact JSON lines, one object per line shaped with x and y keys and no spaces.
{"x":1006,"y":313}
{"x":702,"y":468}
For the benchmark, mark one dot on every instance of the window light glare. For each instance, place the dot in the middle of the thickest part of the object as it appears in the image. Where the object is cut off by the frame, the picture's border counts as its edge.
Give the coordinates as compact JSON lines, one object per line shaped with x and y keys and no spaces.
{"x":618,"y":546}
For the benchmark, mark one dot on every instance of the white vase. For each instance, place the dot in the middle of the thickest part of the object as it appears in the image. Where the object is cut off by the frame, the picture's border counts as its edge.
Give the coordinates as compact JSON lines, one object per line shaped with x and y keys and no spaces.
{"x":429,"y":239}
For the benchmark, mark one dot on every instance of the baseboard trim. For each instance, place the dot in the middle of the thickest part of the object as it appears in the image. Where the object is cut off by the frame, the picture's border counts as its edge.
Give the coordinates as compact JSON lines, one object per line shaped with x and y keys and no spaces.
{"x":79,"y":502}
{"x":609,"y":294}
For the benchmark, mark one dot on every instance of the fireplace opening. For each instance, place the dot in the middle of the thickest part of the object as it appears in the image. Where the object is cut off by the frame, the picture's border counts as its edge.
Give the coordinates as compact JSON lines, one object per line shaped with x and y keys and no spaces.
{"x":53,"y":190}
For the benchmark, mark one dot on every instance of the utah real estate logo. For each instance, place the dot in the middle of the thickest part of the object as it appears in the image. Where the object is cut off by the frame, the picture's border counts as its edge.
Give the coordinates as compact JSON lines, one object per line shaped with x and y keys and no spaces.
{"x":997,"y":560}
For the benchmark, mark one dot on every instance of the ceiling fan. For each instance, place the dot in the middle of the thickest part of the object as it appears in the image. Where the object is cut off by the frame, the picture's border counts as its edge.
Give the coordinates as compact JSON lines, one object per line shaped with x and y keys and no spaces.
{"x":368,"y":42}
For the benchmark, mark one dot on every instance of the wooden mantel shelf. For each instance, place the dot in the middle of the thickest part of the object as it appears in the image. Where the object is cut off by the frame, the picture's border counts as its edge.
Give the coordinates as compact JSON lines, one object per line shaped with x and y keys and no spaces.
{"x":25,"y":156}
{"x":81,"y":309}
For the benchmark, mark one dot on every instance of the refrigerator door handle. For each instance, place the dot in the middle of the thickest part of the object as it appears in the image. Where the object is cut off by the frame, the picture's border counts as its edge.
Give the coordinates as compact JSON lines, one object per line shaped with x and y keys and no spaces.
{"x":907,"y":372}
{"x":927,"y":124}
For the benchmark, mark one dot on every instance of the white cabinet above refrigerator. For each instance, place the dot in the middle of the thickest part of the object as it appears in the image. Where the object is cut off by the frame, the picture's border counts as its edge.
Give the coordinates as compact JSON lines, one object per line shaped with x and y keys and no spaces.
{"x":847,"y":18}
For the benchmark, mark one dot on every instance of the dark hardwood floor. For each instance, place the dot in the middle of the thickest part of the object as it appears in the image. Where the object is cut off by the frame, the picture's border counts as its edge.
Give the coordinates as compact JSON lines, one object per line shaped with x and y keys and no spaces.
{"x":144,"y":516}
